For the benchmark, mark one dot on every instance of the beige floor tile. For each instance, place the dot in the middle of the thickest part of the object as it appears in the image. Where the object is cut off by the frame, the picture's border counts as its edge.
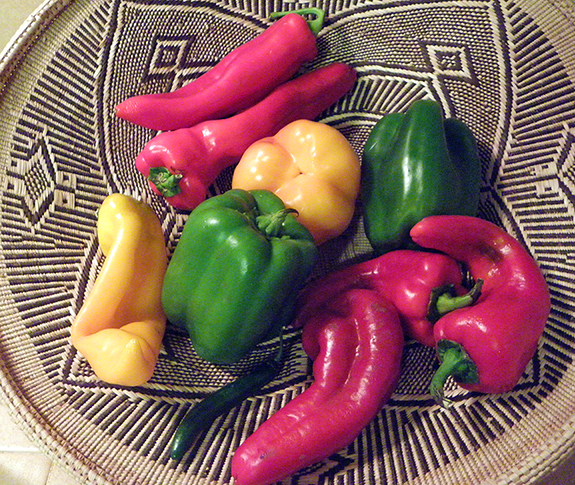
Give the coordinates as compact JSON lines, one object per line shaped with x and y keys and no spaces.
{"x":12,"y":15}
{"x":23,"y":468}
{"x":12,"y":438}
{"x":58,"y":476}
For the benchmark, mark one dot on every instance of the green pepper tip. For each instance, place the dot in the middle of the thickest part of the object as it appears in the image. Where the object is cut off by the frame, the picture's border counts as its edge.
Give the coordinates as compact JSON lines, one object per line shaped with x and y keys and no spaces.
{"x":176,"y":454}
{"x":179,"y":444}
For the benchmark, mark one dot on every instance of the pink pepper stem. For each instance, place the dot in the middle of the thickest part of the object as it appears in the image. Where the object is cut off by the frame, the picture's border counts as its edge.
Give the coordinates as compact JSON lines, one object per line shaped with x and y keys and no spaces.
{"x":315,"y":17}
{"x":241,"y":79}
{"x":197,"y":155}
{"x":500,"y":332}
{"x":407,"y":278}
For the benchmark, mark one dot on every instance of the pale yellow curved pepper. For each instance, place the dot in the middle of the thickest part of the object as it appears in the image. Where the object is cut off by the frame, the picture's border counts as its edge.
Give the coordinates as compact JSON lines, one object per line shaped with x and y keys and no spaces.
{"x":310,"y":166}
{"x":120,"y":327}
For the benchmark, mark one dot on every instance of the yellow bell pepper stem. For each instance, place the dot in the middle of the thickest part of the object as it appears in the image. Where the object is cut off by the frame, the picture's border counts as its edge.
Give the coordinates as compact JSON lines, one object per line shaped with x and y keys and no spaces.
{"x":310,"y":166}
{"x":120,"y":327}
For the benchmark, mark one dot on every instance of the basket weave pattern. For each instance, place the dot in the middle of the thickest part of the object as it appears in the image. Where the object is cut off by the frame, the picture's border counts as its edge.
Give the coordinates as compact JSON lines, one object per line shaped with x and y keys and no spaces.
{"x":506,"y":68}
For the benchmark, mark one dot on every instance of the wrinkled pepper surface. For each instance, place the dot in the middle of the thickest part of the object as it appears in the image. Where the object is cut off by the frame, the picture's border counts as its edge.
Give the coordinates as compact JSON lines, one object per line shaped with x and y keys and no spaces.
{"x":310,"y":166}
{"x":487,"y":346}
{"x":182,"y":164}
{"x":120,"y":327}
{"x":356,"y":343}
{"x":415,"y":165}
{"x":240,"y":80}
{"x":234,"y":275}
{"x":407,"y":278}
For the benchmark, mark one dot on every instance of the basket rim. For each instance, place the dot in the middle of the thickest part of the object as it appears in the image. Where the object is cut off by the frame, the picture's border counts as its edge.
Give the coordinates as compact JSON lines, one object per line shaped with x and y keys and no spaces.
{"x":560,"y":446}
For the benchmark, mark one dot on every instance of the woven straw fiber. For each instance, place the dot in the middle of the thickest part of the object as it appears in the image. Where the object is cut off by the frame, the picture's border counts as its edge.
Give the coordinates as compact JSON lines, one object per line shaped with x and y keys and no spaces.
{"x":506,"y":68}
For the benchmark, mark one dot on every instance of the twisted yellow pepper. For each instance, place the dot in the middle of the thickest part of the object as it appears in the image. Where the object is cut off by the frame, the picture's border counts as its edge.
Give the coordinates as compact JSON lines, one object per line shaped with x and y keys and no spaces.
{"x":120,"y":327}
{"x":310,"y":166}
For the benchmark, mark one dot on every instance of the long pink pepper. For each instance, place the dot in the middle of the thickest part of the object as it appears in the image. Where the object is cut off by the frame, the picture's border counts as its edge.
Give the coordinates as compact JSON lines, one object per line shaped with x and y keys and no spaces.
{"x":356,"y":343}
{"x":200,"y":153}
{"x":241,"y":79}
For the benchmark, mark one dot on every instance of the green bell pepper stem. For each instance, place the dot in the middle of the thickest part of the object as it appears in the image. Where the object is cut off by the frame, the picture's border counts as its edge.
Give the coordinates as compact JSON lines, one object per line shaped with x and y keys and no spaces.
{"x":456,"y":363}
{"x":167,"y":183}
{"x":444,"y":300}
{"x":315,"y":22}
{"x":271,"y":224}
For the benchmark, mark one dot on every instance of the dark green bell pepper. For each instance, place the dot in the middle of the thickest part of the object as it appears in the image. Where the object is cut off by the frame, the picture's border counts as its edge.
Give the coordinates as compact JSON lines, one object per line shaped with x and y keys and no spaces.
{"x":235,"y":273}
{"x":414,"y":165}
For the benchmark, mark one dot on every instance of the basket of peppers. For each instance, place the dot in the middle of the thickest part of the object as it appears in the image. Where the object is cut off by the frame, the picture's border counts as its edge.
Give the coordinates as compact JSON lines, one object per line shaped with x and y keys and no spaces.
{"x":242,"y":270}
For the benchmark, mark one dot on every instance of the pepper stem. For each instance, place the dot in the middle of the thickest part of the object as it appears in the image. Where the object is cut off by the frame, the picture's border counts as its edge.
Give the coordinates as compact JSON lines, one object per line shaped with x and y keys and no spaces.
{"x":456,"y":363}
{"x":444,"y":300}
{"x":167,"y":183}
{"x":279,"y":356}
{"x":271,"y":224}
{"x":315,"y":22}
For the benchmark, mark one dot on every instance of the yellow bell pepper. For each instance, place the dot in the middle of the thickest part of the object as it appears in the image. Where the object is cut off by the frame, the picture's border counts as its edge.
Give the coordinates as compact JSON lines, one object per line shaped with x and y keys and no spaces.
{"x":310,"y":166}
{"x":120,"y":327}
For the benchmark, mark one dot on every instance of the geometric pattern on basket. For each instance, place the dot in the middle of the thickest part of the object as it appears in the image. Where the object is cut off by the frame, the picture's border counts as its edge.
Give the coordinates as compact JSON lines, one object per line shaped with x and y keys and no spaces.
{"x":61,"y":170}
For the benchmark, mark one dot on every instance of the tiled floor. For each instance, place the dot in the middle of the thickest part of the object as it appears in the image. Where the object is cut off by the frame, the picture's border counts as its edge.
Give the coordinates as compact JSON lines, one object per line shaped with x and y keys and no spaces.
{"x":21,"y":462}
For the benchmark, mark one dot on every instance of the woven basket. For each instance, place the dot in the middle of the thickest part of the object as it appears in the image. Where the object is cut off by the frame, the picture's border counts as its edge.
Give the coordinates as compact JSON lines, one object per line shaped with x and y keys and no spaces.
{"x":506,"y":68}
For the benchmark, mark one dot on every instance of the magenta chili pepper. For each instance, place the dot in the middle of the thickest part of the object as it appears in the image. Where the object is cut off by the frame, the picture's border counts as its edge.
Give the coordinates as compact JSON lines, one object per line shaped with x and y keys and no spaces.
{"x":409,"y":279}
{"x":356,"y":343}
{"x":241,"y":79}
{"x":182,"y":164}
{"x":487,"y":346}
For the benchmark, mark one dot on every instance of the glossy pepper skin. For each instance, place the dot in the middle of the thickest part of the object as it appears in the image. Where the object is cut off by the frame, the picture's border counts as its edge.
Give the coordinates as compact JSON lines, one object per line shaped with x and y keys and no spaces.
{"x":120,"y":327}
{"x":356,"y":343}
{"x":487,"y":346}
{"x":235,"y":273}
{"x":240,"y":80}
{"x":406,"y":278}
{"x":310,"y":166}
{"x":415,"y":165}
{"x":182,"y":164}
{"x":202,"y":415}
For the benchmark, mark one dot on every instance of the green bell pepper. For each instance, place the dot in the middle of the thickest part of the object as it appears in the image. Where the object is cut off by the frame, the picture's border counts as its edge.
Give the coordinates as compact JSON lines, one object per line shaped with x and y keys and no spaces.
{"x":235,"y":273}
{"x":415,"y":165}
